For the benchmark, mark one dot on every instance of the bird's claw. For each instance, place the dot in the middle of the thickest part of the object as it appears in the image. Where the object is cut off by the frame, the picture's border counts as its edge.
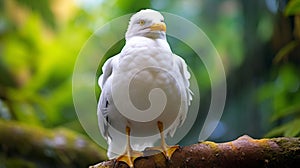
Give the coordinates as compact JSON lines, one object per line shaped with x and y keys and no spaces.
{"x":169,"y":150}
{"x":166,"y":150}
{"x":129,"y":157}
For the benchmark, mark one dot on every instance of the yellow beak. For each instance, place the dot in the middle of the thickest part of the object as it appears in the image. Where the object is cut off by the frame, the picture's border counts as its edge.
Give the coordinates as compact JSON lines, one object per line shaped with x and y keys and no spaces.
{"x":159,"y":27}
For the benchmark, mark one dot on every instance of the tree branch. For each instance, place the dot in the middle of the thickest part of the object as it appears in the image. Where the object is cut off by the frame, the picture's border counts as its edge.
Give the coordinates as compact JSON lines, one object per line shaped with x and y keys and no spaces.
{"x":243,"y":152}
{"x":32,"y":145}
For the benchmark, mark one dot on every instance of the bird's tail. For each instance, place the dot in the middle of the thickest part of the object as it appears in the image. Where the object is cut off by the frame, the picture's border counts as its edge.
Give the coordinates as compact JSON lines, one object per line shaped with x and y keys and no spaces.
{"x":141,"y":147}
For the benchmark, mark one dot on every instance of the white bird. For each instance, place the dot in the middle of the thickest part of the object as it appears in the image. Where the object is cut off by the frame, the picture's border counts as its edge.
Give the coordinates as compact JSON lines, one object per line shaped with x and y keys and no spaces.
{"x":145,"y":63}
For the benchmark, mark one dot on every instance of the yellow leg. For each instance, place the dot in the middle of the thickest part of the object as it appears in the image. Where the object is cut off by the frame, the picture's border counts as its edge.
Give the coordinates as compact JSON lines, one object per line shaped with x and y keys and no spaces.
{"x":129,"y":155}
{"x":164,"y":148}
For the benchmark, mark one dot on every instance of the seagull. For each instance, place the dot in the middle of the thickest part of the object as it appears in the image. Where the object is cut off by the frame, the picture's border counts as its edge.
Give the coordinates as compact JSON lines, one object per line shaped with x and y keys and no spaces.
{"x":145,"y":64}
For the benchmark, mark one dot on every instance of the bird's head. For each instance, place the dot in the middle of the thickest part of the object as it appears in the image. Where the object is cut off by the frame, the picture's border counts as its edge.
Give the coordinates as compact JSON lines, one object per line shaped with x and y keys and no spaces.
{"x":147,"y":23}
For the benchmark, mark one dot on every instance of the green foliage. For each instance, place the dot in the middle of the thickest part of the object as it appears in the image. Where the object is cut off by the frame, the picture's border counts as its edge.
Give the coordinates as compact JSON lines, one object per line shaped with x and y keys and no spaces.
{"x":292,"y":8}
{"x":290,"y":129}
{"x":130,"y":6}
{"x":284,"y":94}
{"x":41,"y":7}
{"x":284,"y":91}
{"x":37,"y":63}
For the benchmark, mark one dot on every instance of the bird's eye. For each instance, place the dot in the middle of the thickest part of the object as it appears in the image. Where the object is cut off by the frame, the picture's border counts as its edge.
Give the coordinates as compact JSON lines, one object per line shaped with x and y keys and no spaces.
{"x":142,"y":22}
{"x":162,"y":20}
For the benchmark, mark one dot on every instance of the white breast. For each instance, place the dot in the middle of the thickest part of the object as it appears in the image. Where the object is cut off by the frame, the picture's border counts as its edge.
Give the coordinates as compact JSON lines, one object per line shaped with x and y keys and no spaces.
{"x":148,"y":64}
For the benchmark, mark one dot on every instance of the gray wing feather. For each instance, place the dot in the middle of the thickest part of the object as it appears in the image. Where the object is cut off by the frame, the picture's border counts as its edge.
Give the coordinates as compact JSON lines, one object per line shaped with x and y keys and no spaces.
{"x":185,"y":76}
{"x":106,"y":72}
{"x":103,"y":103}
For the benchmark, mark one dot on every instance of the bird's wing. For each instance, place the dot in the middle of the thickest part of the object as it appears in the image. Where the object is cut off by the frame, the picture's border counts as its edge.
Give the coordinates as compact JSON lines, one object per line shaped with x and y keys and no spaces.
{"x":106,"y":72}
{"x":103,"y":104}
{"x":185,"y":76}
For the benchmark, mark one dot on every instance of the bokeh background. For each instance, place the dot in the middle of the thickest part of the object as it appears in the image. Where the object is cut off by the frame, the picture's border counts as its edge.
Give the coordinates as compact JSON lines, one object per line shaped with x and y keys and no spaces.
{"x":258,"y":42}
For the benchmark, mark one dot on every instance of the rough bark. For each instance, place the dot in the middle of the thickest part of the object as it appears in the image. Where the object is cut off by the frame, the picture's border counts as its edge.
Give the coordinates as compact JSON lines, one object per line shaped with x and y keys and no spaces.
{"x":244,"y":152}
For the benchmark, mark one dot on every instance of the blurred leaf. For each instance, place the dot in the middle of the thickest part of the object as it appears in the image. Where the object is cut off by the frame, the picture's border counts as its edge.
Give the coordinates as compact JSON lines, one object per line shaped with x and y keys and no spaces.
{"x":292,"y":8}
{"x":132,"y":5}
{"x":291,"y":110}
{"x":284,"y":94}
{"x":41,"y":7}
{"x":6,"y":78}
{"x":284,"y":51}
{"x":26,"y":113}
{"x":265,"y":92}
{"x":288,"y":79}
{"x":278,"y":131}
{"x":290,"y":129}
